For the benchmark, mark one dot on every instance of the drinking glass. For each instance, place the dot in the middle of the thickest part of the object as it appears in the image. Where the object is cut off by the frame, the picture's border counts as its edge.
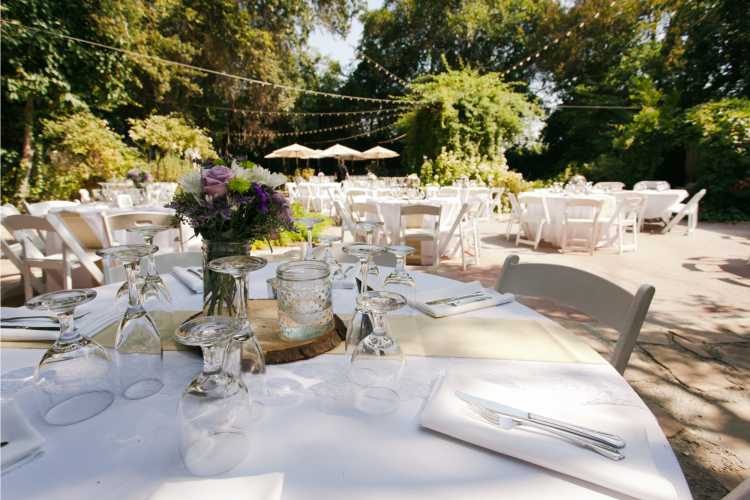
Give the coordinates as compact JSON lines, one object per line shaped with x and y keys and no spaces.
{"x":360,"y":325}
{"x":153,"y":285}
{"x":214,"y":411}
{"x":368,"y":228}
{"x":308,"y":222}
{"x":399,"y":280}
{"x":377,"y":361}
{"x":326,"y":241}
{"x":239,"y":267}
{"x":138,"y":348}
{"x":75,"y":379}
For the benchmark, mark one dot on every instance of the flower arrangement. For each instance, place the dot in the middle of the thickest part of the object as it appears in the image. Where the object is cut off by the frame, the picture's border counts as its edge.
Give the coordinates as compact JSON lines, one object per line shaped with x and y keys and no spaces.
{"x":138,"y":176}
{"x":233,"y":204}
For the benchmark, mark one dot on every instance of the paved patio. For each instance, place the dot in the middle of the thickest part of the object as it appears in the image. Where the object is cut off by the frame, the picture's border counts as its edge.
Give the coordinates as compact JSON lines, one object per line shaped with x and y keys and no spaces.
{"x":692,"y":362}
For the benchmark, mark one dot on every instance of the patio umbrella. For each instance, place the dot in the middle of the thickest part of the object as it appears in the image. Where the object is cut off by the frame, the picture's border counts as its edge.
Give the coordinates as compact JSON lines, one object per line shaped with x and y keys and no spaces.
{"x":341,"y":153}
{"x":378,"y":153}
{"x":295,"y":151}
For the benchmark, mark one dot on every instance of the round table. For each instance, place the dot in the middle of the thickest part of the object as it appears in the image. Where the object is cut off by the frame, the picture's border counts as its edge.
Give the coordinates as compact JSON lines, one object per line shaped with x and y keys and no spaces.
{"x":658,"y":203}
{"x":323,"y":451}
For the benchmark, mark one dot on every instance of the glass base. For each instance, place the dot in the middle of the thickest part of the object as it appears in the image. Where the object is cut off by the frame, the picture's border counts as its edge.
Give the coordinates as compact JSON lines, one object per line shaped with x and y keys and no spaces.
{"x":215,"y":453}
{"x":143,"y":388}
{"x":277,"y":391}
{"x":79,"y":408}
{"x":376,"y":400}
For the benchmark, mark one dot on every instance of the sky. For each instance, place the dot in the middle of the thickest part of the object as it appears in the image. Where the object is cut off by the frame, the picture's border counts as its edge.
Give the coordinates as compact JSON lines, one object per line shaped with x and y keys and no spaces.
{"x":337,"y":48}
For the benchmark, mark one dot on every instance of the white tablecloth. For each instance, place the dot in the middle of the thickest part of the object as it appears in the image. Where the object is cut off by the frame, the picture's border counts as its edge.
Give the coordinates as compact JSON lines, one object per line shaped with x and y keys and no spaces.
{"x":658,"y":203}
{"x":324,"y":452}
{"x":553,"y":232}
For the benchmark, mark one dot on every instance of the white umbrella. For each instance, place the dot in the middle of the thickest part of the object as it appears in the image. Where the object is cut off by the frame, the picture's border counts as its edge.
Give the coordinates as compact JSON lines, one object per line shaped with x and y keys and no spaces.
{"x":378,"y":153}
{"x":341,"y":153}
{"x":292,"y":151}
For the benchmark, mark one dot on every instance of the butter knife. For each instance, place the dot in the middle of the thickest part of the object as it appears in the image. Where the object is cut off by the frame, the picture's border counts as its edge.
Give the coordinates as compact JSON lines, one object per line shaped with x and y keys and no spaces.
{"x":27,"y":327}
{"x":576,"y":430}
{"x":453,"y":299}
{"x":470,"y":300}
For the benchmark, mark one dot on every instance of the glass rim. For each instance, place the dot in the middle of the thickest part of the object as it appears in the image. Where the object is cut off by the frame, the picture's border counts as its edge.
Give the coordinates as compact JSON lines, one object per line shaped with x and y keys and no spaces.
{"x":303,"y":270}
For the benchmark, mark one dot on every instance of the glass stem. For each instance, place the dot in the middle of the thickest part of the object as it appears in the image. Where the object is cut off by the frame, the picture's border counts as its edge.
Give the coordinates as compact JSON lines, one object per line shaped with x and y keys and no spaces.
{"x":378,"y":324}
{"x":149,"y":262}
{"x":134,"y":296}
{"x":364,"y":270}
{"x":240,"y":286}
{"x":213,"y":358}
{"x":400,"y":264}
{"x":68,"y":332}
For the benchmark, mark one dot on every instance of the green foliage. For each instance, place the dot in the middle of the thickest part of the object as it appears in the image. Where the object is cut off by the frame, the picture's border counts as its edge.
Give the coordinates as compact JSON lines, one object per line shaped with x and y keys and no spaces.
{"x":463,"y":110}
{"x":289,"y":238}
{"x":161,"y":135}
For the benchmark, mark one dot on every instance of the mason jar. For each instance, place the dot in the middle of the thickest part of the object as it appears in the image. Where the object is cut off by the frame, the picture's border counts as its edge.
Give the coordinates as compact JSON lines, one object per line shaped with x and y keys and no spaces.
{"x":303,"y":291}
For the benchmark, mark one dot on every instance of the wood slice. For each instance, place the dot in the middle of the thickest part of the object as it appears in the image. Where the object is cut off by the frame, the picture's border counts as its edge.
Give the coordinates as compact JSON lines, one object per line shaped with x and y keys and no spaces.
{"x":264,"y":317}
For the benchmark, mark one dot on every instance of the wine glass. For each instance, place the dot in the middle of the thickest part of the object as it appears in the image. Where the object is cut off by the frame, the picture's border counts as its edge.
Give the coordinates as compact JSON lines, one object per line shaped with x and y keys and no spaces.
{"x":377,"y":361}
{"x":359,"y":326}
{"x":214,"y":410}
{"x":138,"y":348}
{"x":75,"y":378}
{"x":368,"y":228}
{"x":309,"y":223}
{"x":239,"y":267}
{"x":153,"y":285}
{"x":399,"y":280}
{"x":326,"y":241}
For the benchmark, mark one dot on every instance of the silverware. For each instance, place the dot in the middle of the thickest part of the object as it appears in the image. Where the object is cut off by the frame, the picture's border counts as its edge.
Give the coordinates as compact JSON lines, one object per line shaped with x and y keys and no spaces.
{"x":27,"y":327}
{"x":470,"y":300}
{"x":51,"y":318}
{"x":453,"y":299}
{"x":193,"y":271}
{"x":509,"y":422}
{"x":604,"y":438}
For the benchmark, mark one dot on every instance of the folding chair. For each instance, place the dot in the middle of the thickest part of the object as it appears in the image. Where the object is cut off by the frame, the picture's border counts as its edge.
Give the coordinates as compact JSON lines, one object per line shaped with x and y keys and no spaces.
{"x":682,"y":209}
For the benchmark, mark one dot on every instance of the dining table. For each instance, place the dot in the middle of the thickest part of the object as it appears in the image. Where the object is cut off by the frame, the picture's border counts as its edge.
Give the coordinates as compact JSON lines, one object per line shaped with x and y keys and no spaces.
{"x":323,"y":447}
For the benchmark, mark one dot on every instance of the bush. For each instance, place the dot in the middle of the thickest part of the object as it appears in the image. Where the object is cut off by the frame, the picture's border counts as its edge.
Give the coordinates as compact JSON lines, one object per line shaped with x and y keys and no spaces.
{"x":289,"y":238}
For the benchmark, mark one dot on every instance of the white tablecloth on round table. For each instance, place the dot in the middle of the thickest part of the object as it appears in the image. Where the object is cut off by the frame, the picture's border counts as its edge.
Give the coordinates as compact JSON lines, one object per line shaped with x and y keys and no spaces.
{"x":324,"y":452}
{"x":658,"y":203}
{"x":390,"y":209}
{"x":553,"y":232}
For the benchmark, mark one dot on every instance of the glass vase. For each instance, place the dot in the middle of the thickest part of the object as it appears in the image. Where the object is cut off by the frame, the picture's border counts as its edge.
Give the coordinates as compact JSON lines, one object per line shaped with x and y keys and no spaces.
{"x":219,"y":290}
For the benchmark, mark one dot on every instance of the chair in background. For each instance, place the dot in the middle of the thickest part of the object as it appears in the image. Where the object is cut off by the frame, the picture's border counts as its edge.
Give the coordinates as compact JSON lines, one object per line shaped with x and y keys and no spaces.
{"x":470,"y":220}
{"x":514,"y":217}
{"x":119,"y":222}
{"x":354,"y":196}
{"x":449,"y":192}
{"x":306,"y":196}
{"x":581,"y":214}
{"x":33,"y":257}
{"x":529,"y":219}
{"x":43,"y":207}
{"x":655,"y":185}
{"x":610,"y":186}
{"x":371,"y":212}
{"x":291,"y":191}
{"x":124,"y":201}
{"x":164,"y":264}
{"x":629,"y":215}
{"x":411,"y":222}
{"x":347,"y":221}
{"x":680,"y":210}
{"x":496,"y":201}
{"x":84,"y":195}
{"x":593,"y":295}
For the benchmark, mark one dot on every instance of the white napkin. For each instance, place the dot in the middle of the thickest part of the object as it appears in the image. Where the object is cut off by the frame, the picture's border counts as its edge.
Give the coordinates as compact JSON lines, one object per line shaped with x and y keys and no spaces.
{"x":88,"y":326}
{"x":263,"y":487}
{"x":188,"y":278}
{"x":344,"y":284}
{"x":441,"y":310}
{"x":24,"y":442}
{"x":636,"y":475}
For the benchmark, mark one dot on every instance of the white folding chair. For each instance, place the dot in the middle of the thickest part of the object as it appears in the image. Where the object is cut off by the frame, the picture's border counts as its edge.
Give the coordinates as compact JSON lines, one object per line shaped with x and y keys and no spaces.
{"x":610,"y":186}
{"x":370,"y":212}
{"x":449,"y":192}
{"x":84,"y":195}
{"x":347,"y":221}
{"x":496,"y":201}
{"x":356,"y":196}
{"x":529,"y":219}
{"x":593,"y":295}
{"x":41,"y":208}
{"x":514,"y":217}
{"x":127,"y":220}
{"x":628,"y":215}
{"x":411,"y":222}
{"x":680,"y":210}
{"x":471,"y":218}
{"x":655,"y":185}
{"x":581,"y":214}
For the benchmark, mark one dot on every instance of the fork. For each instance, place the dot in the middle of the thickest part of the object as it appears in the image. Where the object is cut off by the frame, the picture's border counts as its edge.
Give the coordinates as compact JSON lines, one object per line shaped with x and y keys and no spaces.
{"x":509,"y":422}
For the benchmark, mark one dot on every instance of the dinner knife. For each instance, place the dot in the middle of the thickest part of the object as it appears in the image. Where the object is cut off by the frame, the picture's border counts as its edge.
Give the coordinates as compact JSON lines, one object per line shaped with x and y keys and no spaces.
{"x":196,"y":273}
{"x":508,"y":411}
{"x":469,"y":300}
{"x":453,"y":299}
{"x":27,"y":327}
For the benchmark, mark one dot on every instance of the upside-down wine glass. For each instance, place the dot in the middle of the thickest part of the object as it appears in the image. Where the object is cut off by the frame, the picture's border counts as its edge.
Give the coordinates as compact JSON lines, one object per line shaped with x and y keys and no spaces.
{"x":153,"y":285}
{"x":76,"y":378}
{"x":399,"y":279}
{"x":368,"y":228}
{"x":273,"y":391}
{"x":138,"y":349}
{"x":214,"y":411}
{"x":378,"y":361}
{"x":309,"y":223}
{"x":360,"y":324}
{"x":326,"y":241}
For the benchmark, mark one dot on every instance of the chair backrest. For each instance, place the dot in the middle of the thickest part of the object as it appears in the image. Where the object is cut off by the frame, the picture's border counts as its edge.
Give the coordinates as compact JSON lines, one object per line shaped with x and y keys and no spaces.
{"x":657,"y":185}
{"x":42,"y":208}
{"x":366,"y":211}
{"x":593,"y":295}
{"x":630,"y":208}
{"x":449,"y":192}
{"x":696,"y":199}
{"x":573,"y":209}
{"x":25,"y":229}
{"x":691,"y":205}
{"x":164,"y":264}
{"x":80,"y":229}
{"x":355,"y":196}
{"x":610,"y":186}
{"x":415,"y":216}
{"x":515,"y":206}
{"x":456,"y":223}
{"x":118,"y":222}
{"x":124,"y":201}
{"x":84,"y":195}
{"x":346,"y":217}
{"x":496,"y":197}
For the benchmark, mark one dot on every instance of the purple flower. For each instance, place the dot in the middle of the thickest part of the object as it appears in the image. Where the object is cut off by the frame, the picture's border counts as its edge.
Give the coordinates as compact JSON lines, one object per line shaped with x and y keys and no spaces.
{"x":262,"y":197}
{"x":215,"y":180}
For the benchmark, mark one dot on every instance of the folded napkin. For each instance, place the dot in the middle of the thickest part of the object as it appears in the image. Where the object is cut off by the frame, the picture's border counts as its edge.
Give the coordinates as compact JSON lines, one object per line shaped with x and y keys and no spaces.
{"x":493,"y":298}
{"x":636,"y":475}
{"x":24,"y":443}
{"x":189,"y":278}
{"x":344,"y":284}
{"x":88,"y":326}
{"x":263,"y":487}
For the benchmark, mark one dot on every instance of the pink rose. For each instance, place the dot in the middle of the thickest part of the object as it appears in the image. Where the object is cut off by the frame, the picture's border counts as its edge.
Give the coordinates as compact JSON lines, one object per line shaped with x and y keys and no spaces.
{"x":215,"y":180}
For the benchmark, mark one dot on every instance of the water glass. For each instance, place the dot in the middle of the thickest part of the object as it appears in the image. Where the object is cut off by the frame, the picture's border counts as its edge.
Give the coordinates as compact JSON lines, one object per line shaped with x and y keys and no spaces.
{"x":303,"y":289}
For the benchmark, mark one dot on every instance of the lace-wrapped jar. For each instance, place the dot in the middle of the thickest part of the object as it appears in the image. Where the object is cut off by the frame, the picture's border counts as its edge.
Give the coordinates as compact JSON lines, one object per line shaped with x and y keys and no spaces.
{"x":303,"y":290}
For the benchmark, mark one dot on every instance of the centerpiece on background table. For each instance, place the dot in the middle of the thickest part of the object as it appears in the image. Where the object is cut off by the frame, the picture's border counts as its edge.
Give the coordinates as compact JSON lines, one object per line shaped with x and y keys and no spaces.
{"x":230,"y":208}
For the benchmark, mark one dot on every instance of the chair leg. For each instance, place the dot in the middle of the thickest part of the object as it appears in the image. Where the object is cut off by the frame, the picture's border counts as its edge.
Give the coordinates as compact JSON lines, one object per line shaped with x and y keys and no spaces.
{"x":621,"y":236}
{"x":435,"y":254}
{"x":518,"y":234}
{"x":507,"y":228}
{"x":635,"y":237}
{"x":538,"y":238}
{"x":463,"y":246}
{"x":28,"y":290}
{"x":476,"y":241}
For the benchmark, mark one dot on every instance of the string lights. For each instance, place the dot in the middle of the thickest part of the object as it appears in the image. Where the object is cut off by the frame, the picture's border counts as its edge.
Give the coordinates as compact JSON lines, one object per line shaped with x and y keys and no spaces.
{"x":382,"y":69}
{"x":380,"y":111}
{"x":364,"y":134}
{"x":223,"y":74}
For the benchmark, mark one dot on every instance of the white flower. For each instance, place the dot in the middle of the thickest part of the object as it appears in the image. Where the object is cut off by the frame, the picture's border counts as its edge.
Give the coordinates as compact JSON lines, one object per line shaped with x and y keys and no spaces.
{"x":265,"y":176}
{"x":191,"y":182}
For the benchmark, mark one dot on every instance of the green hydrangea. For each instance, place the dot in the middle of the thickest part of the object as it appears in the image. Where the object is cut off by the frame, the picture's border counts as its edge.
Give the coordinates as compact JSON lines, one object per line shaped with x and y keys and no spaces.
{"x":239,"y":185}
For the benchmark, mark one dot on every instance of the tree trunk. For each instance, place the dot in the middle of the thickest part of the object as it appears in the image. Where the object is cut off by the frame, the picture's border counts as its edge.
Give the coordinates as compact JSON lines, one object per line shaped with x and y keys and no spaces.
{"x":27,"y":150}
